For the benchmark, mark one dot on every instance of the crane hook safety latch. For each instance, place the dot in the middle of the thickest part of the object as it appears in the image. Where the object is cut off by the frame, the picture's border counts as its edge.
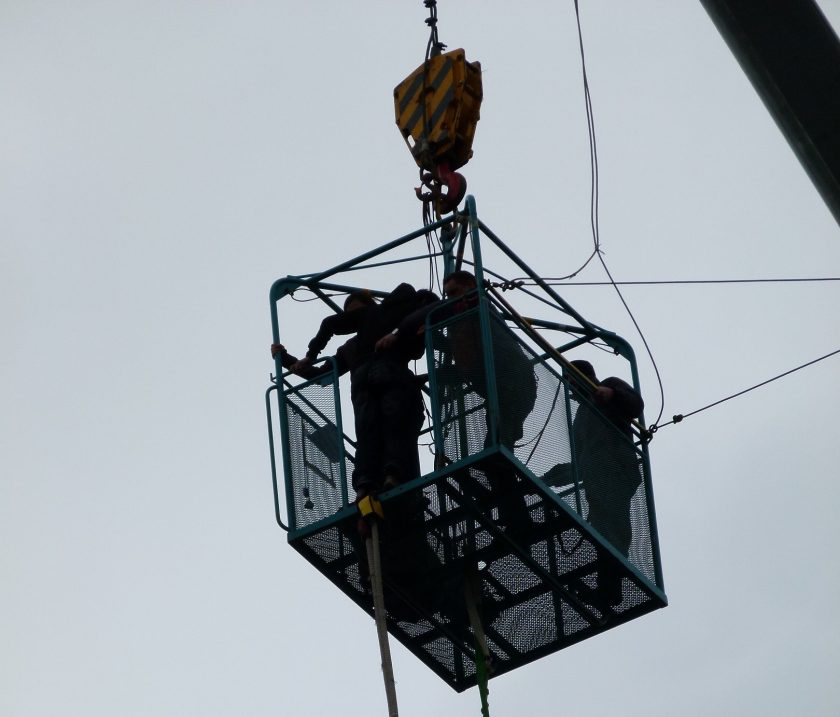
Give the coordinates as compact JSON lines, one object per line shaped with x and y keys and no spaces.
{"x":455,"y":184}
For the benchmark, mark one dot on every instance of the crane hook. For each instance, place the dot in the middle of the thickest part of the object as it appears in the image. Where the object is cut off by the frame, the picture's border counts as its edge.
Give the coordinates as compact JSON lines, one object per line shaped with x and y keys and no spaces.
{"x":443,"y":176}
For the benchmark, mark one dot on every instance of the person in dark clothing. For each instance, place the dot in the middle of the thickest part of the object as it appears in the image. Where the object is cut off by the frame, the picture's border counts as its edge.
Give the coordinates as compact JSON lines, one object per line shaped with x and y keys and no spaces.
{"x":465,"y":345}
{"x":516,"y":386}
{"x":386,"y":397}
{"x":389,"y":413}
{"x":607,"y":462}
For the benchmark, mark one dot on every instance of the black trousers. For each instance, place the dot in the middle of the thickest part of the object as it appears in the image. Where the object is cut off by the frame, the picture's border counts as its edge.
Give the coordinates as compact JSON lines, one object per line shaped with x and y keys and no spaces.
{"x":388,"y":410}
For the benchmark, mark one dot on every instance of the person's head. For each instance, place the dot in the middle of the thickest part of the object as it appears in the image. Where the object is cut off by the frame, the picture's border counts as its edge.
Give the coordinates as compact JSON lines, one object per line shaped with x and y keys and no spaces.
{"x":458,"y":283}
{"x":358,"y":300}
{"x":585,"y":368}
{"x":426,"y":296}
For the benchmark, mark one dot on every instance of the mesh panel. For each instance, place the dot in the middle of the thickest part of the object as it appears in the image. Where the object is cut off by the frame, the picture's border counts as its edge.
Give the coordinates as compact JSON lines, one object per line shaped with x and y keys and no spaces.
{"x":533,"y":419}
{"x":337,"y":555}
{"x":461,"y":385}
{"x":530,"y":625}
{"x":316,"y":453}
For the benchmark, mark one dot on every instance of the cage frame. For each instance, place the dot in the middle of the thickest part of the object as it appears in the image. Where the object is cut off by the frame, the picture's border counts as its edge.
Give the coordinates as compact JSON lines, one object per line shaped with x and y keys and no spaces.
{"x":449,"y":482}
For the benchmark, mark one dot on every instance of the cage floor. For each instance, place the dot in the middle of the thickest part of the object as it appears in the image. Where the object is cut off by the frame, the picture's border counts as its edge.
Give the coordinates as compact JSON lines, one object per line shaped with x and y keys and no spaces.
{"x":539,"y":577}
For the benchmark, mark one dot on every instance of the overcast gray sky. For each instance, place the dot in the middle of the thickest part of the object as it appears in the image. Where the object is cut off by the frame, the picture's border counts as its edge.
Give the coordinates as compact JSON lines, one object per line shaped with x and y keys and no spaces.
{"x":164,"y":162}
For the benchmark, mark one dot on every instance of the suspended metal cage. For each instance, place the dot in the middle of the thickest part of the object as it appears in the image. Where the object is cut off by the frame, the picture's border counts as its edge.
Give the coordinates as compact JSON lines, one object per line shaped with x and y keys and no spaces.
{"x":537,"y":504}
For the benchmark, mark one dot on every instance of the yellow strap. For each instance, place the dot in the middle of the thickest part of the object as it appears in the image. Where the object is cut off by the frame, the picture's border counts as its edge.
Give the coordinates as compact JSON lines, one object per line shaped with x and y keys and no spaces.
{"x":370,"y":506}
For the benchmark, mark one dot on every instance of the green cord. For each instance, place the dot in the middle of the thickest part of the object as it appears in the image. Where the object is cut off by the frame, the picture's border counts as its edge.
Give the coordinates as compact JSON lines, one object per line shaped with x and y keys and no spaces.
{"x":481,"y":674}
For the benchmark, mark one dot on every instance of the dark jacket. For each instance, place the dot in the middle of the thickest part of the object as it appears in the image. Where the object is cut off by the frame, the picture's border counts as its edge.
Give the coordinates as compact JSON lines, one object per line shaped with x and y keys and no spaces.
{"x":625,"y":405}
{"x":369,"y":324}
{"x":606,"y":458}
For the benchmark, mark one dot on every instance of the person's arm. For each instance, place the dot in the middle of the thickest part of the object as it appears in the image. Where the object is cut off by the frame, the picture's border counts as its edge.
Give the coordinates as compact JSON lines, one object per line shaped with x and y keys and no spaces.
{"x":309,"y":372}
{"x":409,"y":327}
{"x":415,"y":322}
{"x":286,"y":359}
{"x":340,"y":324}
{"x":304,"y":370}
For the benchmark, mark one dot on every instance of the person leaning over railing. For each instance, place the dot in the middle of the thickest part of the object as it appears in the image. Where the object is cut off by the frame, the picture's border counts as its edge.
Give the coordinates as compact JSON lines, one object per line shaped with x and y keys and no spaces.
{"x":607,"y":463}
